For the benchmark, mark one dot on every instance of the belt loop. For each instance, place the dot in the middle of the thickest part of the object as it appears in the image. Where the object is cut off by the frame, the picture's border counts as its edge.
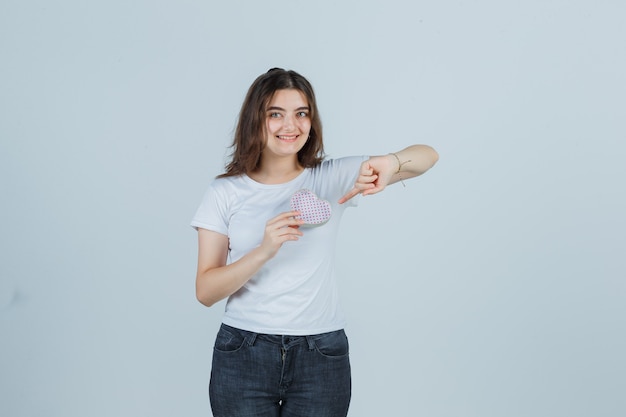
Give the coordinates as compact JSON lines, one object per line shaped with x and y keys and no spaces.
{"x":311,"y":342}
{"x":251,"y":338}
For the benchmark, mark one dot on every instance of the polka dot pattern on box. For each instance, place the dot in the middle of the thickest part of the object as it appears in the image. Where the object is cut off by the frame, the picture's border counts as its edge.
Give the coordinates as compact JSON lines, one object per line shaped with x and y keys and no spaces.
{"x":313,"y":210}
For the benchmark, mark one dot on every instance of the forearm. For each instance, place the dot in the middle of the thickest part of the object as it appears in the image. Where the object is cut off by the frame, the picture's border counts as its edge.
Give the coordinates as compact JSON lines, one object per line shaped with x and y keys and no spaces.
{"x":215,"y":284}
{"x":413,"y":161}
{"x":379,"y":171}
{"x":216,"y":280}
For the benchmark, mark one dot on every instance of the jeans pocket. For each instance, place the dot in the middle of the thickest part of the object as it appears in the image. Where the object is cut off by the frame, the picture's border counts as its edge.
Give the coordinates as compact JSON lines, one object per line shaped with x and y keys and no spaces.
{"x":228,"y":340}
{"x":333,"y":344}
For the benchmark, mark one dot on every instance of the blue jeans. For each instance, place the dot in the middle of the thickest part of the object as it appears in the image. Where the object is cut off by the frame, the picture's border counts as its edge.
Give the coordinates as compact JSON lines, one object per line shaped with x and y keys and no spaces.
{"x":259,"y":375}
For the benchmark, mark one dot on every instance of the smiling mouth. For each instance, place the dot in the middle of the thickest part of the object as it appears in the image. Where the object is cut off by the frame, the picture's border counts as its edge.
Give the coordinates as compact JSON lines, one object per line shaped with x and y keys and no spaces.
{"x":290,"y":138}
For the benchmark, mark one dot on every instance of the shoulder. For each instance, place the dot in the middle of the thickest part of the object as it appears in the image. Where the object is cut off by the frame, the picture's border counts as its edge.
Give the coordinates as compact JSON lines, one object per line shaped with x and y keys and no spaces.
{"x":330,"y":163}
{"x":346,"y":163}
{"x":227,"y":184}
{"x":222,"y":190}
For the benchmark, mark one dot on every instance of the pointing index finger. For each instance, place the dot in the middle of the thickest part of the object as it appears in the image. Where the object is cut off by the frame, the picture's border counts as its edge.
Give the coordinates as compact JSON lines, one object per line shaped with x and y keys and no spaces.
{"x":353,"y":192}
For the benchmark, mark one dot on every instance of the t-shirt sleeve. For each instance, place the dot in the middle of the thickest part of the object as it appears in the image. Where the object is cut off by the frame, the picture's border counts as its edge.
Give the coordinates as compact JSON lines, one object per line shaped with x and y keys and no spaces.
{"x":212,"y":214}
{"x":345,"y":171}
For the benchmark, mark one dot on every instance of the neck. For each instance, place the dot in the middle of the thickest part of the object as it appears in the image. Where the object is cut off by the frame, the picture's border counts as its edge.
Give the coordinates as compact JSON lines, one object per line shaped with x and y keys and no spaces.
{"x":277,"y":172}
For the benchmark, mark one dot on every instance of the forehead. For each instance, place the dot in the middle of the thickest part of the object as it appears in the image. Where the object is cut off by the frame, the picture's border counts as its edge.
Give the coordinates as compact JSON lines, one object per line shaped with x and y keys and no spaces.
{"x":288,"y":98}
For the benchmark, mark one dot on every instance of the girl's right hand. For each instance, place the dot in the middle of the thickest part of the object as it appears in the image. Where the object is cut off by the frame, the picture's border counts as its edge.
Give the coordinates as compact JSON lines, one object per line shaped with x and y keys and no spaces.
{"x":279,"y":230}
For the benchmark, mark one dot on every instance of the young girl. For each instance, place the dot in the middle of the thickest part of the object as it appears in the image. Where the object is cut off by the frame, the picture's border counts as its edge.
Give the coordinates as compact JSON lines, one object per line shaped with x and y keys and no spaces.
{"x":281,"y":349}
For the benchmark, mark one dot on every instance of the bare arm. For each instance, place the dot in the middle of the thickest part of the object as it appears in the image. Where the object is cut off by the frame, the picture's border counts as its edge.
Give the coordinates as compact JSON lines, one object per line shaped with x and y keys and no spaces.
{"x":379,"y":171}
{"x":412,"y":162}
{"x":215,"y":280}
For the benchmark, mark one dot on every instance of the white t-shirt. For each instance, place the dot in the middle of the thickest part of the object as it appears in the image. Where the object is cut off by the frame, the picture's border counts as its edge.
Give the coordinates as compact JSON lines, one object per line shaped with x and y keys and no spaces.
{"x":295,"y":292}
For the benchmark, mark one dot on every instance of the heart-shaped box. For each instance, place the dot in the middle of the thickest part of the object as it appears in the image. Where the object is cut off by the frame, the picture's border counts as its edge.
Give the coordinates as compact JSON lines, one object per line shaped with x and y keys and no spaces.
{"x":313,"y":210}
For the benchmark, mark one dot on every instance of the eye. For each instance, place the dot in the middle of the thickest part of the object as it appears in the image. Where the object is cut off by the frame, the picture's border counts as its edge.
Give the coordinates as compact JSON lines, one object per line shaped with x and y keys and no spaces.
{"x":302,"y":114}
{"x":274,"y":115}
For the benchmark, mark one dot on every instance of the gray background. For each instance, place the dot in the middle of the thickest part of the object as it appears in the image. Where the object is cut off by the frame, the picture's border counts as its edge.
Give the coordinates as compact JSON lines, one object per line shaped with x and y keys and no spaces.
{"x":494,"y":285}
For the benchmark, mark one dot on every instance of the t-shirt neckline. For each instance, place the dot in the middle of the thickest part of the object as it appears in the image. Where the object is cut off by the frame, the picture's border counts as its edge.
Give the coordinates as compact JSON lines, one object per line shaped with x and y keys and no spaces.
{"x":257,"y":184}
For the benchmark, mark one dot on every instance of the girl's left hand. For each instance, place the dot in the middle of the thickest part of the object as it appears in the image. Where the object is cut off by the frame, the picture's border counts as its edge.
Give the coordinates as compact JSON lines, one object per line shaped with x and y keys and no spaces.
{"x":374,"y":175}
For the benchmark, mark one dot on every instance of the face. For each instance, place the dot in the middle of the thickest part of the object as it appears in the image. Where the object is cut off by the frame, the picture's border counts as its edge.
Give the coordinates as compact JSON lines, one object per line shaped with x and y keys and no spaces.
{"x":288,"y":123}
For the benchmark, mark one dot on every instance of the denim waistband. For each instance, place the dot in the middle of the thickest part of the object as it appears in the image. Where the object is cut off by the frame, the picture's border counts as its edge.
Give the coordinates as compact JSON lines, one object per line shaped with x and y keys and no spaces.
{"x":278,"y":339}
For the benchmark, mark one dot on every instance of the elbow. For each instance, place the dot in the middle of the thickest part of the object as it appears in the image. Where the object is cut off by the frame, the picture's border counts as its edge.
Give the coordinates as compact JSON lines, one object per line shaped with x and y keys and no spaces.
{"x":431,"y":154}
{"x":424,"y":157}
{"x":205,"y":301}
{"x":205,"y":297}
{"x":435,"y":157}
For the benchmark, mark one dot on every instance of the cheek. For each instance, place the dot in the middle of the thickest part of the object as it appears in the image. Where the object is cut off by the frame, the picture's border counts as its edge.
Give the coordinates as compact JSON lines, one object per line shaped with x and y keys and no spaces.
{"x":272,"y":125}
{"x":305,"y":125}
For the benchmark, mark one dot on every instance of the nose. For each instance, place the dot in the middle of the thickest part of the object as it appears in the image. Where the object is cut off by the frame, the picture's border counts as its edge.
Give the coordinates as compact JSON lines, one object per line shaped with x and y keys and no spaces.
{"x":288,"y":122}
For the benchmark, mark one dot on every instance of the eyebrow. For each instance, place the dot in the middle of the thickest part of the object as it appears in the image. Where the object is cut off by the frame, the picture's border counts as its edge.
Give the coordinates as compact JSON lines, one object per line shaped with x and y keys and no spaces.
{"x":281,"y":109}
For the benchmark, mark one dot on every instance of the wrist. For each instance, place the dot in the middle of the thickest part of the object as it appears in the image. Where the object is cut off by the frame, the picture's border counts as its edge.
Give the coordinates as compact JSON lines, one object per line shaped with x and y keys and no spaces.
{"x":260,"y":255}
{"x":396,"y":160}
{"x":399,"y":163}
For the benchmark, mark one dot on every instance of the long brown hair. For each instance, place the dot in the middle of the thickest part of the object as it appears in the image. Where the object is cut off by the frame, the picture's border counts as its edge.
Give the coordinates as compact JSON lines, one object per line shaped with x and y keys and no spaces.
{"x":249,"y":139}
